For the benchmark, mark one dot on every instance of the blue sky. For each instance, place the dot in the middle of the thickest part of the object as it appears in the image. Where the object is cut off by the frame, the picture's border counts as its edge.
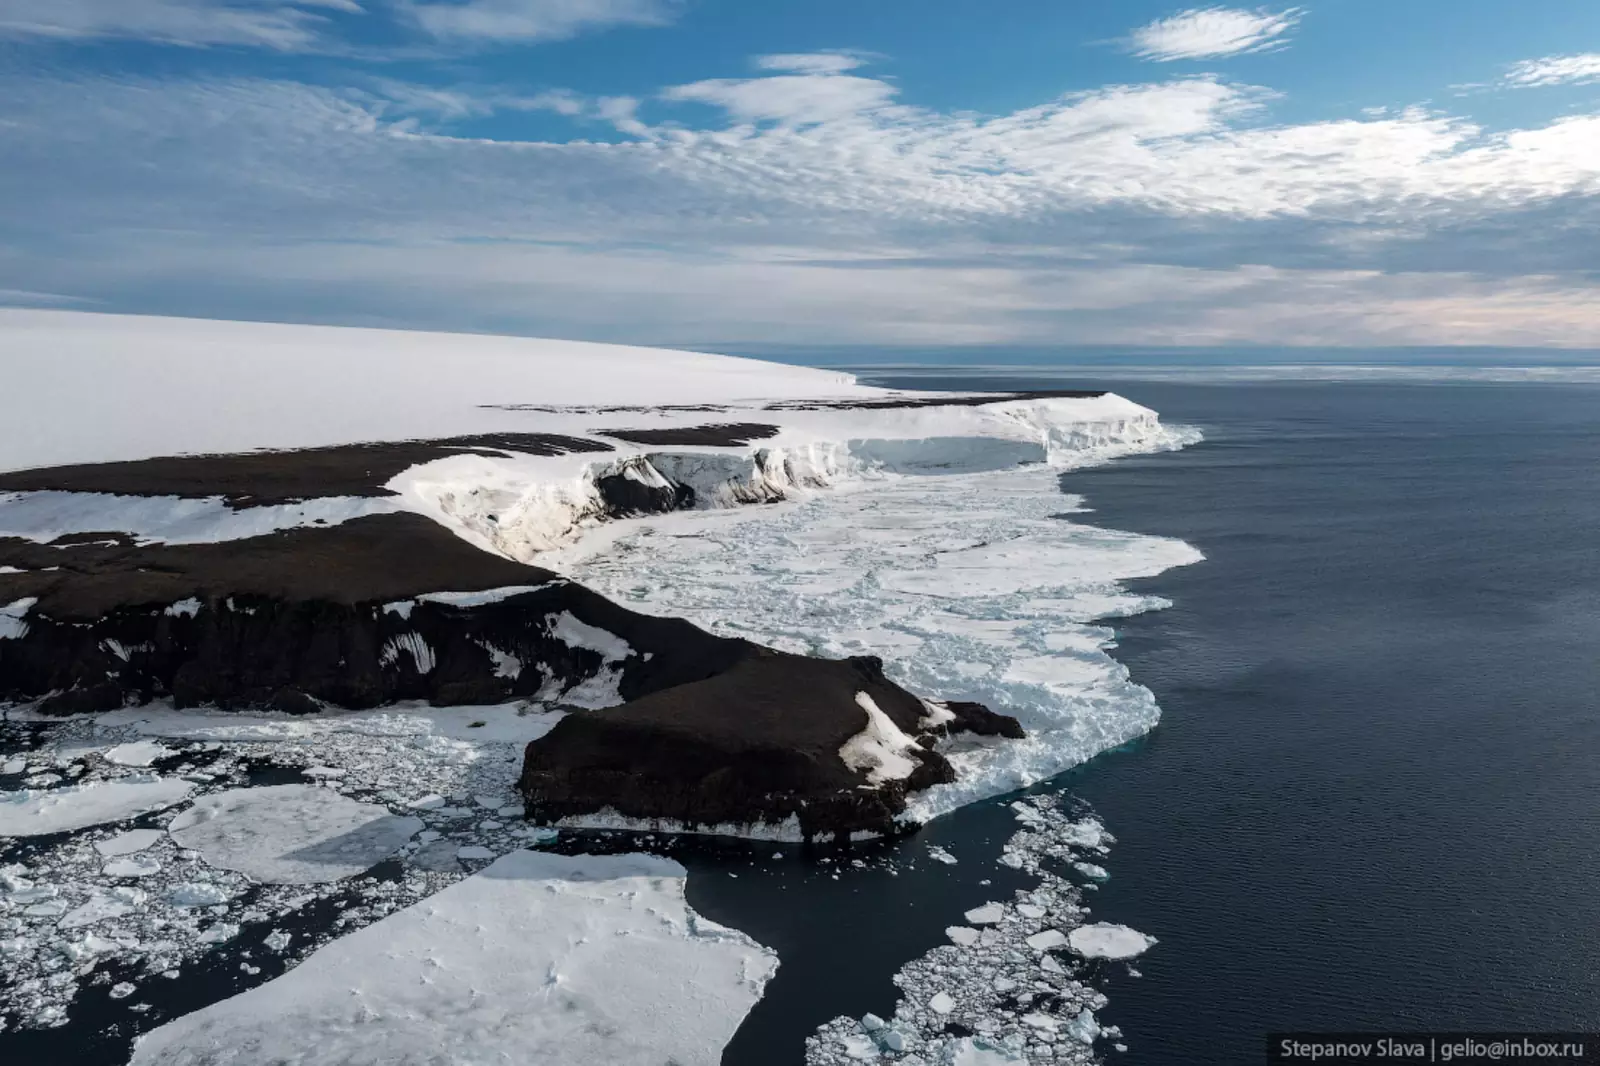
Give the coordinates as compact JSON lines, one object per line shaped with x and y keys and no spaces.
{"x":746,"y":173}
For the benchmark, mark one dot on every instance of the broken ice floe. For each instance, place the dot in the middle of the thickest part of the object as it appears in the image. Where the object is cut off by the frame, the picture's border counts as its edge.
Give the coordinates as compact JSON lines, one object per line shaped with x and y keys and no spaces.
{"x":1001,"y":991}
{"x":375,"y":761}
{"x":579,"y":958}
{"x":35,"y":813}
{"x":291,"y":834}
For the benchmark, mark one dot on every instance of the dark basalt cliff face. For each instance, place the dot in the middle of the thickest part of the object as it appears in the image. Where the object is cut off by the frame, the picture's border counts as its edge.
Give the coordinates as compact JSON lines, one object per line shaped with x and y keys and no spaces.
{"x":756,"y":743}
{"x":325,"y":615}
{"x":708,"y":731}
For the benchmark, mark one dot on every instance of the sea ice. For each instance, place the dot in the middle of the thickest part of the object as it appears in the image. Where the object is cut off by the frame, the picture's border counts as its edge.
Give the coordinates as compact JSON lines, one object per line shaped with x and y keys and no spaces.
{"x":886,"y":569}
{"x":103,"y":905}
{"x":134,"y":866}
{"x":198,"y":894}
{"x":1103,"y":940}
{"x":291,"y":834}
{"x":988,"y":914}
{"x":128,"y":843}
{"x":60,"y":810}
{"x":538,"y":958}
{"x":138,"y":753}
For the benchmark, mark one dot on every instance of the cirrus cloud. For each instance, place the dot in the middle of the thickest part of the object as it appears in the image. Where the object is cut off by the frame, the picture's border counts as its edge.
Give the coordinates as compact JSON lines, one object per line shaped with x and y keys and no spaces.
{"x":1555,"y":70}
{"x":281,"y":24}
{"x":1211,"y":32}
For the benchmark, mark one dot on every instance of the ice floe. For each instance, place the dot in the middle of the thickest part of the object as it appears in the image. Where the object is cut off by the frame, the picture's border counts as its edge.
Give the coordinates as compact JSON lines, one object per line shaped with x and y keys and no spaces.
{"x":291,"y":834}
{"x":34,"y":813}
{"x":138,"y":753}
{"x":537,"y":958}
{"x":1106,"y":941}
{"x":134,"y":840}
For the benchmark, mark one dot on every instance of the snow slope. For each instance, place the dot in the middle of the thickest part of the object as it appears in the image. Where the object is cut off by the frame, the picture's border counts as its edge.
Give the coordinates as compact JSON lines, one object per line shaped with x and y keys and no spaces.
{"x":91,"y":388}
{"x":539,"y":959}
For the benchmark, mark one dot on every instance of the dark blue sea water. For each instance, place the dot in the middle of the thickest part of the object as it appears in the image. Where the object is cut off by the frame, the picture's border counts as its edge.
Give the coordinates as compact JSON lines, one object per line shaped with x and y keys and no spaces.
{"x":1373,"y":800}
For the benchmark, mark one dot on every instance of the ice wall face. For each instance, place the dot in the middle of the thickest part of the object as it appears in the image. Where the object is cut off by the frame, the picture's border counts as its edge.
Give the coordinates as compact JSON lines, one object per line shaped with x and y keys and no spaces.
{"x":523,"y":506}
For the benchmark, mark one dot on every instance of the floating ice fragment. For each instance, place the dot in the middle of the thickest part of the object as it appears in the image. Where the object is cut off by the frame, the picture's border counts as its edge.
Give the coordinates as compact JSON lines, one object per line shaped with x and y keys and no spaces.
{"x":1049,"y":938}
{"x":1091,"y":871}
{"x":1104,"y":940}
{"x":122,"y":990}
{"x":138,"y":753}
{"x":976,"y":1051}
{"x":291,"y":834}
{"x":473,"y":852}
{"x":103,"y":905}
{"x":938,"y":854}
{"x":219,"y":933}
{"x":1084,"y":1028}
{"x":941,"y":1003}
{"x":988,"y":914}
{"x":197,"y":894}
{"x":430,"y":802}
{"x":27,"y":813}
{"x":962,"y":935}
{"x":134,"y":866}
{"x":128,"y":843}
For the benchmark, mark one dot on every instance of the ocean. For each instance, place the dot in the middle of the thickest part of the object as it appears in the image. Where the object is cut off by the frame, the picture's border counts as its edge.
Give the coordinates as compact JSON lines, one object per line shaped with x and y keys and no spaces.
{"x":1373,"y":800}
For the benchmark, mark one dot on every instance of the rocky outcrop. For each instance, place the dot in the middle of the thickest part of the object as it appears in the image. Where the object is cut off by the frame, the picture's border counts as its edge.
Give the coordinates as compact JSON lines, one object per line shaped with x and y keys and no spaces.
{"x":669,"y":721}
{"x":351,"y":616}
{"x":760,"y":743}
{"x":264,"y":478}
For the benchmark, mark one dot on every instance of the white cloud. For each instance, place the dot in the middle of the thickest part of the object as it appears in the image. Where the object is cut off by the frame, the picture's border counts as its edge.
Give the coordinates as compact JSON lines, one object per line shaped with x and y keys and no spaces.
{"x":810,"y":62}
{"x":281,"y":24}
{"x":468,"y":102}
{"x":488,"y":21}
{"x":813,"y":208}
{"x":1208,"y":32}
{"x":791,"y":99}
{"x":1555,"y":70}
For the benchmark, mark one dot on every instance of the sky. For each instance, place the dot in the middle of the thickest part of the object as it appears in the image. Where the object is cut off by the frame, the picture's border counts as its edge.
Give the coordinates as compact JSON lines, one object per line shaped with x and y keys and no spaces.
{"x":734,"y":174}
